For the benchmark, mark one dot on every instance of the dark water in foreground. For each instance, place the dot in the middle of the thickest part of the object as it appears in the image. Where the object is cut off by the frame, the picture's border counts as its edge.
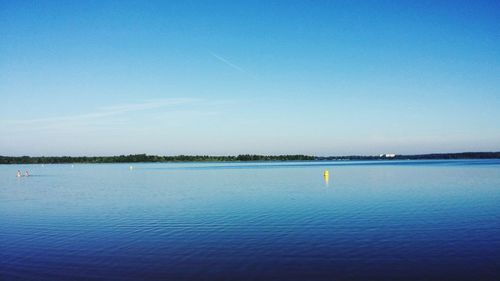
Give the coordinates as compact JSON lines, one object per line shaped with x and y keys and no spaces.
{"x":411,"y":220}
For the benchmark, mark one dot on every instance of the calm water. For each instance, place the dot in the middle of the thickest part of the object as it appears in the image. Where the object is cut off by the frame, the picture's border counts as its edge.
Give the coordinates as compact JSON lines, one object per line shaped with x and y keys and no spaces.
{"x":410,"y":220}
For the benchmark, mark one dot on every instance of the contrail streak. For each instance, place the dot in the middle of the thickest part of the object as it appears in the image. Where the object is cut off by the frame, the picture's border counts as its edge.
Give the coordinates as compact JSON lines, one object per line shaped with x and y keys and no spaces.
{"x":228,"y":63}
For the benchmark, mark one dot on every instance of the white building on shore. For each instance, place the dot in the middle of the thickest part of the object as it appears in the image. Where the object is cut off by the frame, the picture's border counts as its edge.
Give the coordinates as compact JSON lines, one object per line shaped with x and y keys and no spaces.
{"x":388,"y":155}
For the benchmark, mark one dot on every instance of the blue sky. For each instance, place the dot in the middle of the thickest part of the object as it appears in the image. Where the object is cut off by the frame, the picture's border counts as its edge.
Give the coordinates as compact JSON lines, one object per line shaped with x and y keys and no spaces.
{"x":265,"y":77}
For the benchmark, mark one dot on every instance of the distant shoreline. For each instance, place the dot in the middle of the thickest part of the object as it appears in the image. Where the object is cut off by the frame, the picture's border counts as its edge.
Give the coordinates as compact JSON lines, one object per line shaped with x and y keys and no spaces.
{"x":144,"y":158}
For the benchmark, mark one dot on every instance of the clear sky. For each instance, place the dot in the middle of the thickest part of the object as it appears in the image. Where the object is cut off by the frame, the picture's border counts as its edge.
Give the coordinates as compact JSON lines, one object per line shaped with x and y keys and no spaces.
{"x":233,"y":77}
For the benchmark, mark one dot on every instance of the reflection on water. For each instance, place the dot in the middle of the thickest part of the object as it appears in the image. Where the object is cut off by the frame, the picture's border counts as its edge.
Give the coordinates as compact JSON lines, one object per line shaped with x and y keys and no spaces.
{"x":414,"y":220}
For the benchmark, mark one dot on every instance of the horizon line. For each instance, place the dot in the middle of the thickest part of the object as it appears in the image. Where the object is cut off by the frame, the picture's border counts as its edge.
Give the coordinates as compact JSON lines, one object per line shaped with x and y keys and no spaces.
{"x":381,"y":155}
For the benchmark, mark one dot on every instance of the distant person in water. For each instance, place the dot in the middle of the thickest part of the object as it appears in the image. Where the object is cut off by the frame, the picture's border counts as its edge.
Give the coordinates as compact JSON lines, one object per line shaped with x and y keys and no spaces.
{"x":18,"y":174}
{"x":27,"y":174}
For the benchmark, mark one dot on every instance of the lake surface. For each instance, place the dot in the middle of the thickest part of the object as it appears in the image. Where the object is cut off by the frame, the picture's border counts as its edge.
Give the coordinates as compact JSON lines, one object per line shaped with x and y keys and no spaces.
{"x":394,"y":220}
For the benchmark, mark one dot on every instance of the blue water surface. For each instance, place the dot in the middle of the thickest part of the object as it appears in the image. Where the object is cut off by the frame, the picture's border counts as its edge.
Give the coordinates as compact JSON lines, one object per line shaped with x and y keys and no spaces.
{"x":382,"y":220}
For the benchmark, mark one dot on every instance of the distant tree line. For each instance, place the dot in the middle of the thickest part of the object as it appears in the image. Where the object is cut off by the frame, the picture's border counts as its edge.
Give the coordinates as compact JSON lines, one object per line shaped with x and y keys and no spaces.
{"x":240,"y":158}
{"x":148,"y":158}
{"x":444,"y":156}
{"x":433,"y":156}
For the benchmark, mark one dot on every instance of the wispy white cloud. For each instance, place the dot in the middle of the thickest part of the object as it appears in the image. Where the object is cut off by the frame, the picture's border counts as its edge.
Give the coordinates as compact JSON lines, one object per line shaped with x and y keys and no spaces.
{"x":108,"y":111}
{"x":228,"y":63}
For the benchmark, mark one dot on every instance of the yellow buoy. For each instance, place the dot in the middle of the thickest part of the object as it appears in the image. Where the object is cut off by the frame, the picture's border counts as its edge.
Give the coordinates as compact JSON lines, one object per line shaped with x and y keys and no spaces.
{"x":326,"y":174}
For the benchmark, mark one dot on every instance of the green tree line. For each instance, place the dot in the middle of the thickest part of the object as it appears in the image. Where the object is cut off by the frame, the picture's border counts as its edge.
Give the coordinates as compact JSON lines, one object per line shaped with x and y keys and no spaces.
{"x":147,"y":158}
{"x":240,"y":158}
